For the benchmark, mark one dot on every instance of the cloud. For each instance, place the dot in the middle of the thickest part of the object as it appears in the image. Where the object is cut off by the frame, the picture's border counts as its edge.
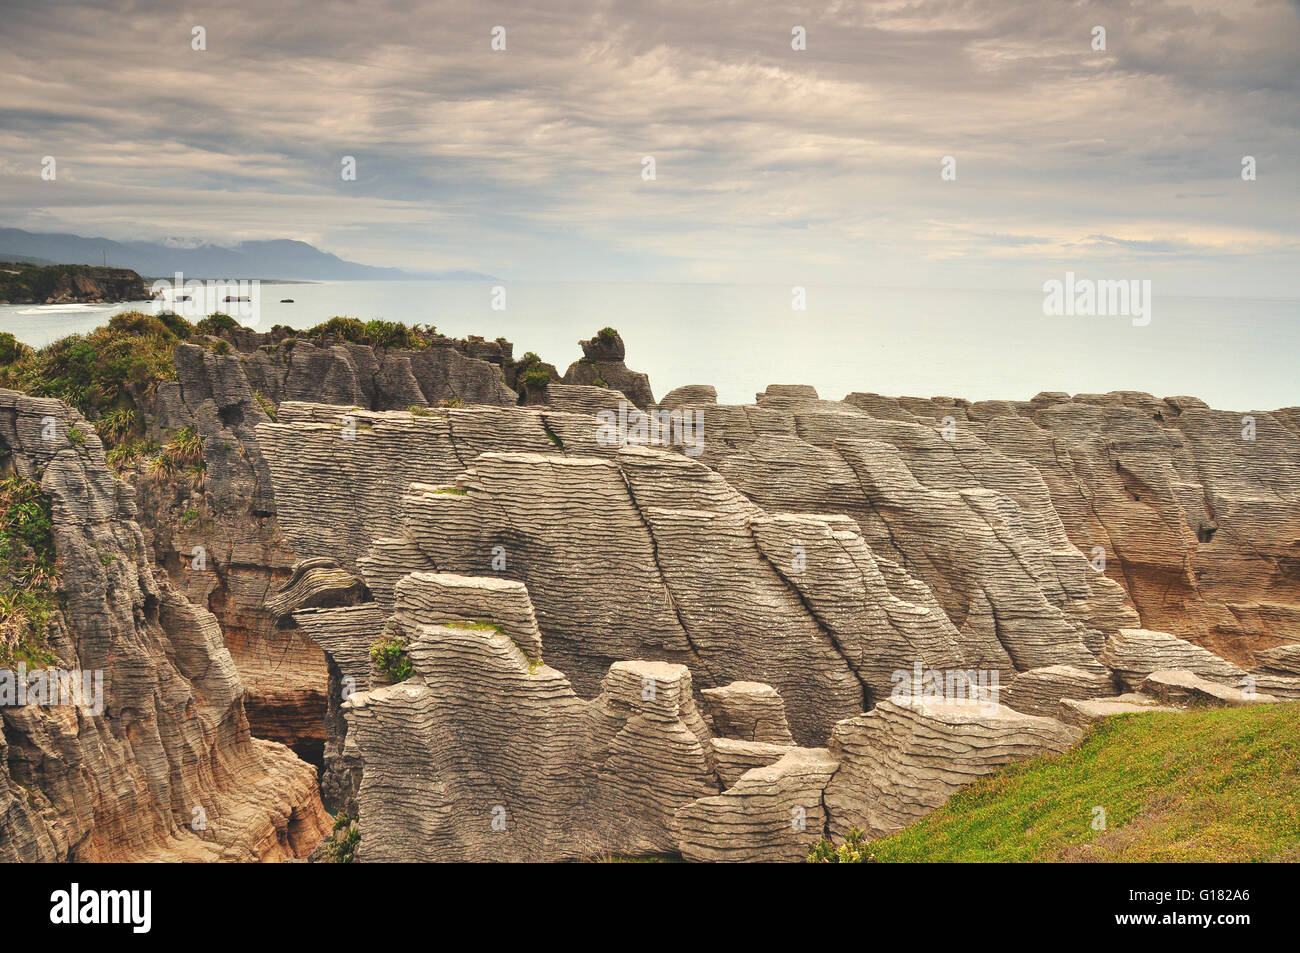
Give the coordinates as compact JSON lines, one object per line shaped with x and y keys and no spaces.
{"x":771,"y":164}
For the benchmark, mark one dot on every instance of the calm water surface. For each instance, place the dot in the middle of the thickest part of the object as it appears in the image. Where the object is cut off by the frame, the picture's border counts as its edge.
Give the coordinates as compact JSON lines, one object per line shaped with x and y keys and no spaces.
{"x":1237,"y":354}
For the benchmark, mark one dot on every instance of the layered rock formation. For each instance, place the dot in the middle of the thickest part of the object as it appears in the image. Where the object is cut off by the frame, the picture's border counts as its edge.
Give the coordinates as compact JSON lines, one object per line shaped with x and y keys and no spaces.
{"x":224,"y":396}
{"x":751,"y":647}
{"x":930,"y":553}
{"x":165,"y":768}
{"x":901,"y":760}
{"x":486,"y":753}
{"x":603,"y":365}
{"x":1194,"y":510}
{"x":643,"y":554}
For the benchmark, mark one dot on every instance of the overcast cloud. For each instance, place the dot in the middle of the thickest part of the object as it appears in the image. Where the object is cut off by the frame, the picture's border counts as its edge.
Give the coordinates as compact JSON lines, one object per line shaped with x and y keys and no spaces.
{"x":772,"y":165}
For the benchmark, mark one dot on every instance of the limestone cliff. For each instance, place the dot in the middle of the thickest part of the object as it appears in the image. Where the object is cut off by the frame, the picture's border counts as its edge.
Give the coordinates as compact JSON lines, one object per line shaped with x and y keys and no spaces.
{"x":619,"y":640}
{"x":165,"y":768}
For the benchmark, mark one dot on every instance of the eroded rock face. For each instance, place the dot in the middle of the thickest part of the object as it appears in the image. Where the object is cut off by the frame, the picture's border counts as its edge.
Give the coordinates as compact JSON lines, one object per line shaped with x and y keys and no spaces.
{"x":646,"y":554}
{"x":1040,"y":691}
{"x":766,"y":815}
{"x":1194,"y":509}
{"x":818,"y":547}
{"x":167,"y":770}
{"x":1182,"y":686}
{"x":484,"y":740}
{"x":903,"y":759}
{"x":231,"y":514}
{"x":602,"y":365}
{"x":747,"y":711}
{"x":1133,"y":654}
{"x":1283,"y":659}
{"x":486,"y":753}
{"x":976,"y":526}
{"x":1009,"y":592}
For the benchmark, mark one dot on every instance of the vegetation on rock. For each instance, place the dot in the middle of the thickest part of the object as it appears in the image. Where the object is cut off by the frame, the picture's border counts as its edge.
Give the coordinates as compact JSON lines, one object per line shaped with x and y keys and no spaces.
{"x":389,"y":656}
{"x":342,"y":845}
{"x":95,"y":372}
{"x":852,"y":851}
{"x":391,"y":334}
{"x":28,"y":575}
{"x":268,"y":408}
{"x":127,"y":454}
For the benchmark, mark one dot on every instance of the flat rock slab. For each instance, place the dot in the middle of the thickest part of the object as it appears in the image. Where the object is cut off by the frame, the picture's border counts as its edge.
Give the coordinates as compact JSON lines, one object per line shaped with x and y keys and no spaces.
{"x":1084,"y":712}
{"x":1133,"y":654}
{"x":1183,"y":686}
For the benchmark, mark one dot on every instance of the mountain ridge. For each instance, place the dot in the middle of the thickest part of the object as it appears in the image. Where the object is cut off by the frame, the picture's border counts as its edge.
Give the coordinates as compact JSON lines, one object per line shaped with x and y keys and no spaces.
{"x":262,"y":259}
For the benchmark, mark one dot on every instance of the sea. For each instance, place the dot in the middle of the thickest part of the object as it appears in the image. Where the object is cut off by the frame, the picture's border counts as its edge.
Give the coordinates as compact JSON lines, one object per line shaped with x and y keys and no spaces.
{"x":1235,"y":353}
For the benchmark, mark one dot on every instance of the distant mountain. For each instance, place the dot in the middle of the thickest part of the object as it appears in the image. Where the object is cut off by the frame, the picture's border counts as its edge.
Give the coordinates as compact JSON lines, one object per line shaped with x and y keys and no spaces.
{"x":279,"y":258}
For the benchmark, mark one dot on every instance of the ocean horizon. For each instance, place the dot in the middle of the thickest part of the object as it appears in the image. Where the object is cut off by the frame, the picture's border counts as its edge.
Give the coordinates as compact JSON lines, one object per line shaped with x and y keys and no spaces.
{"x":1235,"y":354}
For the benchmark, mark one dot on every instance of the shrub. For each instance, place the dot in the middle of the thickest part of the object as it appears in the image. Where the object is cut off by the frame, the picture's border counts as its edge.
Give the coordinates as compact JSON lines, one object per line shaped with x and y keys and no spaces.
{"x":215,"y":323}
{"x":11,"y":349}
{"x":114,"y":425}
{"x":174,"y":323}
{"x":97,"y":371}
{"x":535,"y":377}
{"x":126,"y":454}
{"x":376,"y":333}
{"x":389,"y":656}
{"x":342,"y":847}
{"x":852,"y":851}
{"x":159,"y":466}
{"x":184,"y":448}
{"x":28,"y":574}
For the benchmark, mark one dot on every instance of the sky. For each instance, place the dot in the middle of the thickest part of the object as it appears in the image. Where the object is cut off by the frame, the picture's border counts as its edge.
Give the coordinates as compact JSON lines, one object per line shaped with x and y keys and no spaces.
{"x":771,"y":164}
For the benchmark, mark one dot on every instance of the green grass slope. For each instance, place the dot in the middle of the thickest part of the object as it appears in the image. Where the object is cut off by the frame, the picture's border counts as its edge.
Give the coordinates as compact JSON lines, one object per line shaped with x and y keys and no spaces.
{"x":1207,"y":785}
